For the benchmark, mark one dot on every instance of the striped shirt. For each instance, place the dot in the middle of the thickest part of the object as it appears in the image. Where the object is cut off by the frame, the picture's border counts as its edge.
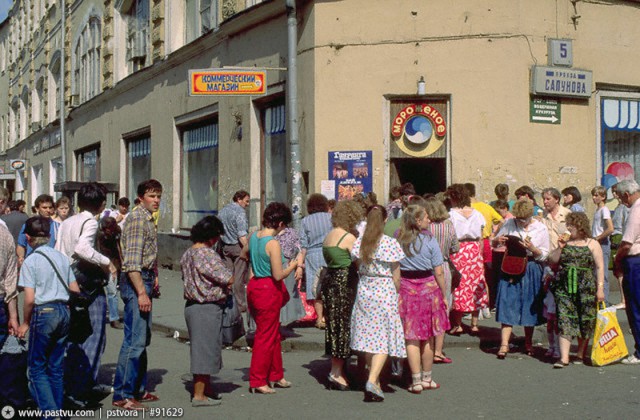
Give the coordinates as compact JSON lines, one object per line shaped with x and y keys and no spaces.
{"x":445,"y":235}
{"x":139,"y":241}
{"x":313,"y":229}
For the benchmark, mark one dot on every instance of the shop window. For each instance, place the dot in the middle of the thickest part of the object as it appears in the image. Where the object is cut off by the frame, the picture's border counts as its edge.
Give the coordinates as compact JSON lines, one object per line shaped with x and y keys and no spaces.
{"x":275,"y":173}
{"x":199,"y":172}
{"x":88,"y":164}
{"x":138,"y":163}
{"x":620,"y":140}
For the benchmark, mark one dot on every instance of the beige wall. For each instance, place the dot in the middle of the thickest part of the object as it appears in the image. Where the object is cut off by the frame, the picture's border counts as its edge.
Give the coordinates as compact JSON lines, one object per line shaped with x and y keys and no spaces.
{"x":480,"y":53}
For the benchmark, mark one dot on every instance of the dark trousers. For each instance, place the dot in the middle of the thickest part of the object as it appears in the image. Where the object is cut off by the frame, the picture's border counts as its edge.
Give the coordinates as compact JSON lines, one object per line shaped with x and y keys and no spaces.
{"x":265,"y":300}
{"x":231,"y":256}
{"x":631,"y":290}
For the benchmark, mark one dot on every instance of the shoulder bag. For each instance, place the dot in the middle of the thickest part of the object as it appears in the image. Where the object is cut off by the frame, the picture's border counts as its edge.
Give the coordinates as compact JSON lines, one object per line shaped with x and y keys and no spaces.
{"x":80,"y":324}
{"x":90,"y":277}
{"x":514,"y":262}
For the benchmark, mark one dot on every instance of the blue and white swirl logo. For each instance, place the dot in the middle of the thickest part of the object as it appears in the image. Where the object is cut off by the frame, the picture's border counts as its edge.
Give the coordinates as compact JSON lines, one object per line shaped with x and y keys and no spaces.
{"x":418,"y":130}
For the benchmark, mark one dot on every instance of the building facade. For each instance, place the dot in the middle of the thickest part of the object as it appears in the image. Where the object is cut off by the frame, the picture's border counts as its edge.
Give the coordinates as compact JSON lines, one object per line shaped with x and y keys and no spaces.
{"x":366,"y":121}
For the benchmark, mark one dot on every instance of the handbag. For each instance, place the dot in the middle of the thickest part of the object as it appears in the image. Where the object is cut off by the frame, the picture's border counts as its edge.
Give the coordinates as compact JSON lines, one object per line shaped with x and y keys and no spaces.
{"x":80,"y":322}
{"x":514,"y":262}
{"x":91,"y":278}
{"x":456,"y":275}
{"x":232,"y":327}
{"x":608,"y":341}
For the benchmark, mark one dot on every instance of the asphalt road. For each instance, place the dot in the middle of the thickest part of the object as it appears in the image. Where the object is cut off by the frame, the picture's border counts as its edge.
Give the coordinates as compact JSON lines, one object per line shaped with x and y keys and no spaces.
{"x":476,"y":385}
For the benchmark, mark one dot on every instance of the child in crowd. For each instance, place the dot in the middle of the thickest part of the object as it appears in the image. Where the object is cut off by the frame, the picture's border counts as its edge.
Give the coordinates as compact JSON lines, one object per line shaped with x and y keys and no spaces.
{"x":571,"y":198}
{"x":601,"y":229}
{"x":63,"y":209}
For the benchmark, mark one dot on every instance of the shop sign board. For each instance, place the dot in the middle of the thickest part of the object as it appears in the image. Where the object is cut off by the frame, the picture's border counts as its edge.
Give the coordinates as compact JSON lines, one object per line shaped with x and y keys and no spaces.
{"x":544,"y":111}
{"x":561,"y":82}
{"x":419,"y":130}
{"x":223,"y":82}
{"x":17,"y":164}
{"x":351,"y":172}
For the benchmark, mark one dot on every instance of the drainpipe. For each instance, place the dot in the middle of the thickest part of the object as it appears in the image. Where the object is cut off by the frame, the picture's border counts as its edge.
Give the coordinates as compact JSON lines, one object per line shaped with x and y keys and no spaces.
{"x":292,"y":112}
{"x":63,"y":137}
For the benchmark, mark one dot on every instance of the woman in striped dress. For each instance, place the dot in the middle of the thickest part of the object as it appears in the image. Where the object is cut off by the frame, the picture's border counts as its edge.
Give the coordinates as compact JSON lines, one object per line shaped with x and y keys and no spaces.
{"x":313,"y":229}
{"x":445,"y":234}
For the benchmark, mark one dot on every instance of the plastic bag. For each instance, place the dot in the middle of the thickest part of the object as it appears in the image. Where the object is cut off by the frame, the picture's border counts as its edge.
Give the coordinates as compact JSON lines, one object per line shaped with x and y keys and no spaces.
{"x":608,"y":341}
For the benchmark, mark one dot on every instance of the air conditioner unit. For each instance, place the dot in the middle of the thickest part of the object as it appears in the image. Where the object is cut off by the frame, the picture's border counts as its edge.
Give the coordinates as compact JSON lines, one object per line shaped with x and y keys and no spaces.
{"x":75,"y":99}
{"x":35,"y":126}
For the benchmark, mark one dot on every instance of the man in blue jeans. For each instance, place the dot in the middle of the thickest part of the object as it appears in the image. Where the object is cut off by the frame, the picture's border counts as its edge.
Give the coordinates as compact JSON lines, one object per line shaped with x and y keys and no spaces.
{"x":46,"y":314}
{"x":139,"y":244}
{"x":628,"y":261}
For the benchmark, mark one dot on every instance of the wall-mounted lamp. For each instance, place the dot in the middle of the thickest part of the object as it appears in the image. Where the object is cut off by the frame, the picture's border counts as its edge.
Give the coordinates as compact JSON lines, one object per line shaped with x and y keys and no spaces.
{"x":422,"y":86}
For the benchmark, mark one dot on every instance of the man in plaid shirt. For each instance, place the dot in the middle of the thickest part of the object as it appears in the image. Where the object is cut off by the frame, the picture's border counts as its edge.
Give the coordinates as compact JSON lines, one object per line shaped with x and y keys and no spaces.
{"x":139,"y":252}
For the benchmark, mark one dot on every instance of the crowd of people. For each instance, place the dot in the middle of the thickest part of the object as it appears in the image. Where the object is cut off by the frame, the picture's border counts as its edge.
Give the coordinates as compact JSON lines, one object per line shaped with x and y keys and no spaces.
{"x":385,"y":282}
{"x":390,"y":282}
{"x":61,"y":261}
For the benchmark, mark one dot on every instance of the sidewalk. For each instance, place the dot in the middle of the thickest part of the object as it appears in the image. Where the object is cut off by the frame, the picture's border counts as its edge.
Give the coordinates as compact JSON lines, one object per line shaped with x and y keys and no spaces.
{"x":168,"y":318}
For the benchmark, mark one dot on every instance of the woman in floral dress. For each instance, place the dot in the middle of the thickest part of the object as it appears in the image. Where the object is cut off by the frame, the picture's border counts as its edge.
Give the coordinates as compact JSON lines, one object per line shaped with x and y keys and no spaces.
{"x":576,"y":289}
{"x":339,"y":288}
{"x":376,"y":328}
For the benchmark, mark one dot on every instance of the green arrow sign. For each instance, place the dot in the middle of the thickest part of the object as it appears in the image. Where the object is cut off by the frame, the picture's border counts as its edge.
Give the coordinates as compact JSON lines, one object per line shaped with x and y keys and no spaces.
{"x":544,"y":111}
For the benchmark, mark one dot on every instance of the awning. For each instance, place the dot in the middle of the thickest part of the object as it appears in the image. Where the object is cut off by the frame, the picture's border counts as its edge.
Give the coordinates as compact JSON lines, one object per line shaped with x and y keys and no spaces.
{"x":619,"y":114}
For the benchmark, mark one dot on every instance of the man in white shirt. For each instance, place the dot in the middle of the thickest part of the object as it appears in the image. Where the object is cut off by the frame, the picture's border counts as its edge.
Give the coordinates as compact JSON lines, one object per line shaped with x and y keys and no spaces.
{"x":76,"y":239}
{"x":628,"y":261}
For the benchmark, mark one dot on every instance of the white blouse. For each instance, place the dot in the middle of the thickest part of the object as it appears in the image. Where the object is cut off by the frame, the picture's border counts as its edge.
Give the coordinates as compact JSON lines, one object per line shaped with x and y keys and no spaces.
{"x":536,"y":231}
{"x":468,"y":228}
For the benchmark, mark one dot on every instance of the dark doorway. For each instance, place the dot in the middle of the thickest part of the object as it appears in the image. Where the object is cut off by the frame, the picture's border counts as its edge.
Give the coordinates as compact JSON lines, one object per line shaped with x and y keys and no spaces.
{"x":426,"y":175}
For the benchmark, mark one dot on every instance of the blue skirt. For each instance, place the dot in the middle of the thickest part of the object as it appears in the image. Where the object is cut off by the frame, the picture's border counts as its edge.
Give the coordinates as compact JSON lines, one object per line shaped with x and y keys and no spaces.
{"x":519,"y":299}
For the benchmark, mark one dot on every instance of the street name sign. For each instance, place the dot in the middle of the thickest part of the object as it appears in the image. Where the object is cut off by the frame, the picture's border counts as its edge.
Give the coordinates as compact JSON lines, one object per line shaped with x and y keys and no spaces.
{"x":544,"y":111}
{"x":224,"y":82}
{"x":561,"y":82}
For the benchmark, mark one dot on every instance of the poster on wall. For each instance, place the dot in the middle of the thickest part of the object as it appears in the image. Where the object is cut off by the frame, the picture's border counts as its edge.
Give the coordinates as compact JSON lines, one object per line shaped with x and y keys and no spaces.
{"x":351,"y":172}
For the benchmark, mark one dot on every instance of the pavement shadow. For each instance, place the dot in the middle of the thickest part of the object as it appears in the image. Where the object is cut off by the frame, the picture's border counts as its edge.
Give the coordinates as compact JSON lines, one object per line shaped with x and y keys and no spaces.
{"x":216,"y":385}
{"x":319,"y":370}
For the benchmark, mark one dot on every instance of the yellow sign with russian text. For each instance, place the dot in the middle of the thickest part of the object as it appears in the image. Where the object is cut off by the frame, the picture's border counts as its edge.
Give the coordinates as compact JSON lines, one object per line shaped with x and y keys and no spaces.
{"x":227,"y":82}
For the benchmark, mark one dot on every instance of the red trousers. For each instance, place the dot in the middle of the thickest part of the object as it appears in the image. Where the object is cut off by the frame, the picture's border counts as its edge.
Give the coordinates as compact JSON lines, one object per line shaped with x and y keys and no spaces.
{"x":264,"y":297}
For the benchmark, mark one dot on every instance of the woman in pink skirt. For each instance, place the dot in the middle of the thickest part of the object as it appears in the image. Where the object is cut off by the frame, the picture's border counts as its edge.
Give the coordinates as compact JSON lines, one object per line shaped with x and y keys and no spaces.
{"x":421,"y":303}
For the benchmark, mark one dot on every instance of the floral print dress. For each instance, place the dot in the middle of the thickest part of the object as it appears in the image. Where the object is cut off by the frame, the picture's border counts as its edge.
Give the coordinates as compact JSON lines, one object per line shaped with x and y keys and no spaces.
{"x":575,"y":292}
{"x":375,"y":322}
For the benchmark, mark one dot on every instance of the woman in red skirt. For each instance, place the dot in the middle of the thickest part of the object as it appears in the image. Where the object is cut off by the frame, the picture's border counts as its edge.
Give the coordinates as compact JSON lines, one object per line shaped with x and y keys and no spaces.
{"x":471,"y":294}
